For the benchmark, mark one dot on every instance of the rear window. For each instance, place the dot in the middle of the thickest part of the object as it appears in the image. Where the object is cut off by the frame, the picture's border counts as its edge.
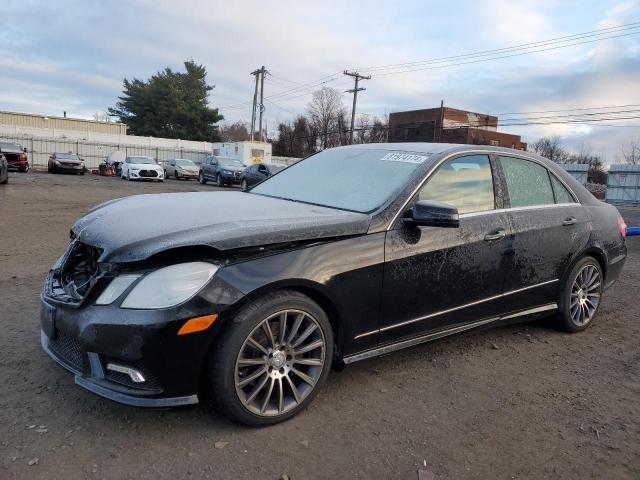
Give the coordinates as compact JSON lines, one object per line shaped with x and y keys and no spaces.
{"x":527,"y":182}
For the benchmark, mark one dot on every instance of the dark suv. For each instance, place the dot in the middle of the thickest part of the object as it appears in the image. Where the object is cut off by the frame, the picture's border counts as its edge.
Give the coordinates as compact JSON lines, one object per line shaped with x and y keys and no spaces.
{"x":16,"y":156}
{"x":223,"y":171}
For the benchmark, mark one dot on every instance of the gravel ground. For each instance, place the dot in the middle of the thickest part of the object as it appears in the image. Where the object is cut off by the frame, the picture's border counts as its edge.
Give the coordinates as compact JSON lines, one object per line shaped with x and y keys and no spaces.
{"x":524,"y":401}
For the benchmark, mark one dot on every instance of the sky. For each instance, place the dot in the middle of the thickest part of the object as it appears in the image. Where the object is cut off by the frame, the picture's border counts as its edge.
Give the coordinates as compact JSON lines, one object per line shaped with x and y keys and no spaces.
{"x":73,"y":55}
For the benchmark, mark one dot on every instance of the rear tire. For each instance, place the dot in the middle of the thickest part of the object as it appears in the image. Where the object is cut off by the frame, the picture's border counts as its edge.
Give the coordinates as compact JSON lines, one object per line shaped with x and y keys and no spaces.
{"x":272,"y":383}
{"x":582,"y":294}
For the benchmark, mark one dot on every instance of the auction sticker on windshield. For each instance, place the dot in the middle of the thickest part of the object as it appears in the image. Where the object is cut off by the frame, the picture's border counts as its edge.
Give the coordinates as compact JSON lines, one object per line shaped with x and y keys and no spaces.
{"x":404,"y":157}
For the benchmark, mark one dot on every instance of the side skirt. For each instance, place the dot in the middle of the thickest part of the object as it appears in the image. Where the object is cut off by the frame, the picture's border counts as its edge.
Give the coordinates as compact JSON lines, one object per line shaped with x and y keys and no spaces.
{"x":376,"y":352}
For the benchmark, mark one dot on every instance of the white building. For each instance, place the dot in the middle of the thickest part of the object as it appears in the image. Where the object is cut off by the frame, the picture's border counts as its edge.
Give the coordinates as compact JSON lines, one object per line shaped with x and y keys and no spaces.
{"x":247,"y":152}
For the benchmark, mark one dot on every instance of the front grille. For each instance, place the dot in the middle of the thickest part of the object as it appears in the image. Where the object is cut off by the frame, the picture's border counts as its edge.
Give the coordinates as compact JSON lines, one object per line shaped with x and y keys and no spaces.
{"x":148,"y":173}
{"x":68,"y":349}
{"x":237,"y":174}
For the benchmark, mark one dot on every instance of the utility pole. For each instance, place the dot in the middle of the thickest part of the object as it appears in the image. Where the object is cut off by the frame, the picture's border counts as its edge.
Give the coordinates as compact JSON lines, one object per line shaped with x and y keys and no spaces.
{"x":262,"y":72}
{"x":357,"y":77}
{"x":256,"y":73}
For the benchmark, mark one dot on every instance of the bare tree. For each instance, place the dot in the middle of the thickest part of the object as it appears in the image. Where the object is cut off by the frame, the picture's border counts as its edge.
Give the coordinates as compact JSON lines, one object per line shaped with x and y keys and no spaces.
{"x":325,"y":111}
{"x":101,"y":117}
{"x":551,"y":148}
{"x":363,"y":127}
{"x":630,"y":151}
{"x":236,"y":132}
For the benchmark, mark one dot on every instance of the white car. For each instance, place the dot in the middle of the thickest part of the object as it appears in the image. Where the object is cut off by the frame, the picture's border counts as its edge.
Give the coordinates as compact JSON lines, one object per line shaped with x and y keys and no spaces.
{"x":141,"y":168}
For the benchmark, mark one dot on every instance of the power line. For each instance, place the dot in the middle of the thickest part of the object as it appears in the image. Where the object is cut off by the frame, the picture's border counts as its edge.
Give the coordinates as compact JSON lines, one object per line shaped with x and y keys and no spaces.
{"x":434,"y":67}
{"x":567,"y":110}
{"x":530,"y":45}
{"x":303,"y":89}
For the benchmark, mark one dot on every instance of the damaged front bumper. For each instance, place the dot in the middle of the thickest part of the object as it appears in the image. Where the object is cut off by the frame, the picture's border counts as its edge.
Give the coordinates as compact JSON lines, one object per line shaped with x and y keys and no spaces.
{"x":134,"y":356}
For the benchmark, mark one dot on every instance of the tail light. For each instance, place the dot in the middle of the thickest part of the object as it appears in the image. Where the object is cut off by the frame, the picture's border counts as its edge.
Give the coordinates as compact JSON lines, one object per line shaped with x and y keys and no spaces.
{"x":622,"y":226}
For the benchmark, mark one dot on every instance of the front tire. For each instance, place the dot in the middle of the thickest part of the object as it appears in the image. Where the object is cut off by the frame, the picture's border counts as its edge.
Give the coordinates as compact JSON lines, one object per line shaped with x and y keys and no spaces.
{"x":581,"y":295}
{"x":271,"y":359}
{"x":201,"y":179}
{"x":243,"y":185}
{"x":219,"y":181}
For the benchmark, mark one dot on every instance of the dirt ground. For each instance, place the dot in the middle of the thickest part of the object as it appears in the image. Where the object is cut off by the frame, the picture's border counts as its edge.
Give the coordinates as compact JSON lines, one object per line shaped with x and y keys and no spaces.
{"x":518,"y":402}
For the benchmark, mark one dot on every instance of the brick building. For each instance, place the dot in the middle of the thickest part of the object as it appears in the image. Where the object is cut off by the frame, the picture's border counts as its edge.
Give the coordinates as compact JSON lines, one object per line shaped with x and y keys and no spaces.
{"x":450,"y":125}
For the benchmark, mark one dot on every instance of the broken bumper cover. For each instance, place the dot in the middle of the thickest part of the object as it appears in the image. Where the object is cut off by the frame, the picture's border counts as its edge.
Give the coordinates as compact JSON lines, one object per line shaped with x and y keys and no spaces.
{"x":133,"y":356}
{"x":95,"y":382}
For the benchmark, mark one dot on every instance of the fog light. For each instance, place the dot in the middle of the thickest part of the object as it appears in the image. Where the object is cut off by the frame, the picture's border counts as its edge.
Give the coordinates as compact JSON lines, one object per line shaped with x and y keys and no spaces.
{"x":135,"y":375}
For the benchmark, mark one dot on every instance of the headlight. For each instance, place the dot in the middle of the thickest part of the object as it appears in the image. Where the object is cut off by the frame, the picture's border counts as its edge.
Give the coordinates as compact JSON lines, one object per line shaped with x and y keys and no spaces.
{"x":116,"y":288}
{"x":170,"y":286}
{"x":227,"y":172}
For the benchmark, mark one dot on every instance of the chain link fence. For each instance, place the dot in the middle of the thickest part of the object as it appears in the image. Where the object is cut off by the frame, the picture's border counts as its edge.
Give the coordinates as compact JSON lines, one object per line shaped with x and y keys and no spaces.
{"x":94,"y":152}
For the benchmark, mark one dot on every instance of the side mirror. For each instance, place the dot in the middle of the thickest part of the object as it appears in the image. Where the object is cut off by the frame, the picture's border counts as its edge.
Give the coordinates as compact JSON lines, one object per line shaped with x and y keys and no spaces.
{"x":24,"y":150}
{"x":430,"y":213}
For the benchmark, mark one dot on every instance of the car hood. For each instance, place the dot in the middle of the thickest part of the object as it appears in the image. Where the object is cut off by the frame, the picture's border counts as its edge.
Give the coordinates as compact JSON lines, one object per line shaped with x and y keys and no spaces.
{"x":145,"y":166}
{"x":137,"y":227}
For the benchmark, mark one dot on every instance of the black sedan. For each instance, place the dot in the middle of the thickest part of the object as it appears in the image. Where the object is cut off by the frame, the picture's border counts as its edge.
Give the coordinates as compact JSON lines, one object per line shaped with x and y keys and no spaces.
{"x":256,"y":173}
{"x":354,"y":252}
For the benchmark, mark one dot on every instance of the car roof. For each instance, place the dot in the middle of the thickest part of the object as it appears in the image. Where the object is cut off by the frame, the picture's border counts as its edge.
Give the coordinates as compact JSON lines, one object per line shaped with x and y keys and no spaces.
{"x":429,"y":148}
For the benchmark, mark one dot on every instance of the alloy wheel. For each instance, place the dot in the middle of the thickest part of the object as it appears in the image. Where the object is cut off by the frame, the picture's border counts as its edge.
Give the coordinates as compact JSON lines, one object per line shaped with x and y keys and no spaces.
{"x":280,"y":363}
{"x":585,"y":295}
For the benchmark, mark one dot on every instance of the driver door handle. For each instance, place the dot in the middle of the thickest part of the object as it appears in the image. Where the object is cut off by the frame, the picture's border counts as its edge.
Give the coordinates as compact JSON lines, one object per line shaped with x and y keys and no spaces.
{"x":497,"y":235}
{"x":569,"y":221}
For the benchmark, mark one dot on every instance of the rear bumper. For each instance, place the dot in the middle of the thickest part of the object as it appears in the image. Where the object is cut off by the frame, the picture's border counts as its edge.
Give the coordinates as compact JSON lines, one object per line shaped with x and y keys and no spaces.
{"x":615,"y":268}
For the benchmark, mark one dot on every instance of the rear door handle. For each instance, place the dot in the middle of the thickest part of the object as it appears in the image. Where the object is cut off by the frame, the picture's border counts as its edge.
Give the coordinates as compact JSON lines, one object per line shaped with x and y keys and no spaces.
{"x":497,"y":235}
{"x":569,"y":221}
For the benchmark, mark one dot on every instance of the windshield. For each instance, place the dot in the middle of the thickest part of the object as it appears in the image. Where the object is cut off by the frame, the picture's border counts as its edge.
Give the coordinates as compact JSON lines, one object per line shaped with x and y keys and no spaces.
{"x":10,"y":146}
{"x":225,"y":162}
{"x":144,"y":160}
{"x":360,"y":180}
{"x":67,"y":156}
{"x":185,"y":163}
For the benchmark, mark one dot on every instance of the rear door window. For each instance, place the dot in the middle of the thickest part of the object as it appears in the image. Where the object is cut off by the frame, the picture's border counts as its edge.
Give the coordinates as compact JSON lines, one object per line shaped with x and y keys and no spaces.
{"x":464,"y":182}
{"x":528,"y":182}
{"x":560,"y":191}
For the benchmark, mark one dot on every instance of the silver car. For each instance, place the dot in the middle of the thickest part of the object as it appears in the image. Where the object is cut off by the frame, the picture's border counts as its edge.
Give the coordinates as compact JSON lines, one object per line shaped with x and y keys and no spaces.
{"x":180,"y":168}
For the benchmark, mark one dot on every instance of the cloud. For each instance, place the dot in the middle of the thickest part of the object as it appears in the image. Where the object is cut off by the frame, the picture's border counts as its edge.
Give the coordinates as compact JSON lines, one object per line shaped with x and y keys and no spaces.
{"x":72,"y":55}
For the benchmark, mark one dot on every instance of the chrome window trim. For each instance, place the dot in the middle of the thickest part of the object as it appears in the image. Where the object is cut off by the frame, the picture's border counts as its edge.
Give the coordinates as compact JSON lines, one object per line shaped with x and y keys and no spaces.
{"x":443,"y":333}
{"x":516,"y":209}
{"x":488,"y":153}
{"x":453,"y":309}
